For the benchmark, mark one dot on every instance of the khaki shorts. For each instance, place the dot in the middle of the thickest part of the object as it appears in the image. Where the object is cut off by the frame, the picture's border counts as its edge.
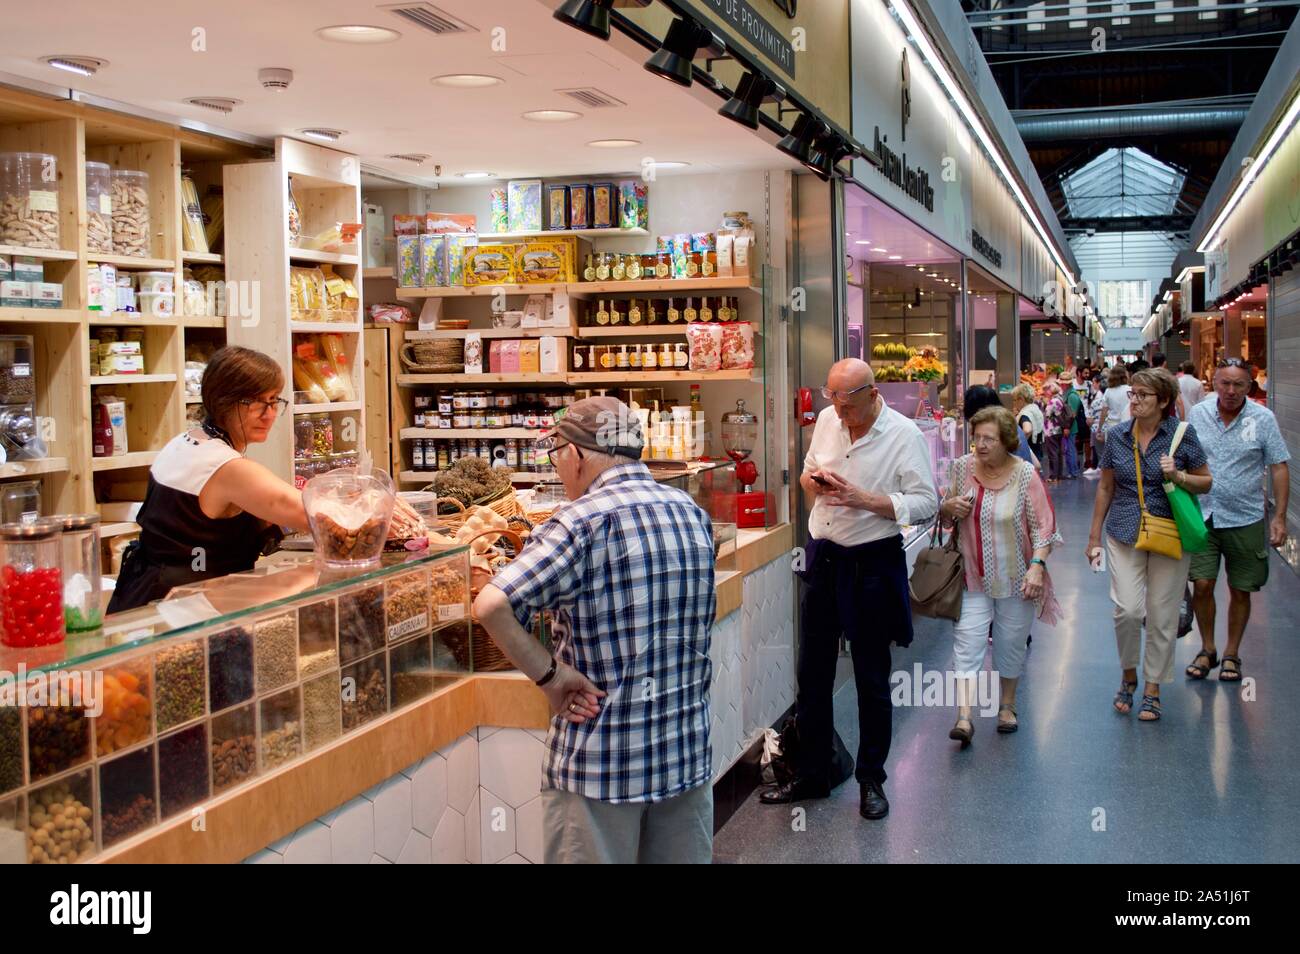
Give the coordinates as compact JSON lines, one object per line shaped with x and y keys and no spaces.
{"x":1244,"y":550}
{"x":580,"y":830}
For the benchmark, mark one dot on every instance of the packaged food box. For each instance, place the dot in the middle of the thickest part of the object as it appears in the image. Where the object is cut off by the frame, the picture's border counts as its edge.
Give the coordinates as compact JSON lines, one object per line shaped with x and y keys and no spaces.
{"x":408,"y":261}
{"x":155,"y":282}
{"x":450,"y":223}
{"x":490,"y":265}
{"x":541,"y":262}
{"x":604,"y":205}
{"x":500,"y":206}
{"x":47,"y":295}
{"x":580,"y":206}
{"x":15,"y":294}
{"x":529,"y":357}
{"x":457,"y":247}
{"x":28,"y":269}
{"x":121,"y":364}
{"x":548,"y":355}
{"x":116,"y":348}
{"x":557,"y":207}
{"x":407,"y":225}
{"x":160,"y":305}
{"x":494,"y":357}
{"x":510,"y":357}
{"x":433,"y":260}
{"x":6,"y":269}
{"x":633,"y":206}
{"x":524,"y":200}
{"x":473,"y":353}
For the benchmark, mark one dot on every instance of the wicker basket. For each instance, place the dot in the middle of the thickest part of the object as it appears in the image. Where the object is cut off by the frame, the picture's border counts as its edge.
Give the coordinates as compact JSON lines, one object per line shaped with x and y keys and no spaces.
{"x":486,"y":656}
{"x":440,"y":356}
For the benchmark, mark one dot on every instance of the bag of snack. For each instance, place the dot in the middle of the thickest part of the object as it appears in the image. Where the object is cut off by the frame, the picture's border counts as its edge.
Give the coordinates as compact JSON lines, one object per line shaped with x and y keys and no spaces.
{"x":737,"y":346}
{"x":705,"y":346}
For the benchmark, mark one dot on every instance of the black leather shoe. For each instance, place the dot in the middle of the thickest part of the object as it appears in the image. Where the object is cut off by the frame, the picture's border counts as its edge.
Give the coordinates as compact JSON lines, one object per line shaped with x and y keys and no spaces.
{"x":873,"y":805}
{"x":795,"y":791}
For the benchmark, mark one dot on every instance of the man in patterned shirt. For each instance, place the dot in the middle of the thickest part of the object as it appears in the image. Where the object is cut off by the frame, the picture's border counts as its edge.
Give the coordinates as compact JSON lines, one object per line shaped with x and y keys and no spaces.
{"x":627,"y":568}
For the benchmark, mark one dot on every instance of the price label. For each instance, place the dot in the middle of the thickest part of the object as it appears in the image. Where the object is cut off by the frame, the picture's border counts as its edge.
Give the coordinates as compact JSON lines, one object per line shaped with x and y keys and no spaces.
{"x":406,"y":627}
{"x":43,"y":201}
{"x":105,"y":204}
{"x":449,"y":611}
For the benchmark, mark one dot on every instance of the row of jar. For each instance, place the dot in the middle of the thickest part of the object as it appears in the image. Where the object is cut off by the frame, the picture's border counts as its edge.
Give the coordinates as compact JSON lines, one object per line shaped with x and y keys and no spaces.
{"x":649,"y":266}
{"x":313,"y":465}
{"x":521,"y":456}
{"x":50,"y":579}
{"x":117,"y":205}
{"x":673,"y":311}
{"x":633,"y":357}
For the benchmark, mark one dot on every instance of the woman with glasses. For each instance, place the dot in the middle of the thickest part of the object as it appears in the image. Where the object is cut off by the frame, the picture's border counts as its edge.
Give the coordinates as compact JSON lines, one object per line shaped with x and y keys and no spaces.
{"x":1144,"y":583}
{"x":208,"y":510}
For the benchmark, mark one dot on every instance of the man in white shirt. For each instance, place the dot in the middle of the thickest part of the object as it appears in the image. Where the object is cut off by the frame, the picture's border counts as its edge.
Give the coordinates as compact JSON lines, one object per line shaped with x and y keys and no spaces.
{"x":867,"y":473}
{"x":1190,"y":387}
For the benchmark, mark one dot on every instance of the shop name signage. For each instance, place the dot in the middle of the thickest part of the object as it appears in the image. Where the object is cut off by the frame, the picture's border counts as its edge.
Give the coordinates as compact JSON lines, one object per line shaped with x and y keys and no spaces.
{"x":981,"y":245}
{"x":750,"y":24}
{"x":915,"y":182}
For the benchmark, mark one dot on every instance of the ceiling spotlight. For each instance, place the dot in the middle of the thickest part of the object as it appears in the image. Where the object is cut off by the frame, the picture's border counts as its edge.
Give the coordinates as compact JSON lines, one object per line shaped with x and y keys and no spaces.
{"x":552,"y":115}
{"x":895,"y":258}
{"x":683,"y":43}
{"x":357,"y":33}
{"x":476,"y":175}
{"x":670,"y":164}
{"x":413,"y":157}
{"x":589,"y":16}
{"x":323,"y":134}
{"x":828,"y":150}
{"x":754,"y":90}
{"x":880,"y":250}
{"x":466,"y":80}
{"x":81,"y":65}
{"x":798,"y":144}
{"x":862,"y":242}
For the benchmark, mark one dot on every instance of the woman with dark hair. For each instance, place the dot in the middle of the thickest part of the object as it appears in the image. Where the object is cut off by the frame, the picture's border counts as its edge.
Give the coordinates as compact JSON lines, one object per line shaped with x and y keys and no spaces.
{"x":208,"y":510}
{"x":976,"y":399}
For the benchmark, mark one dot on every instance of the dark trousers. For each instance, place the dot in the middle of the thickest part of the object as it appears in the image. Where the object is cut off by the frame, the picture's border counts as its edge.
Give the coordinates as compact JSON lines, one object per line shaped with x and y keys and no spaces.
{"x":871,"y":615}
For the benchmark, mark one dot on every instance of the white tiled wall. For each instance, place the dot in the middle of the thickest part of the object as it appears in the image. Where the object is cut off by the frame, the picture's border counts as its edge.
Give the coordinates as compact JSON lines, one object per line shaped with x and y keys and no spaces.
{"x":478,"y":800}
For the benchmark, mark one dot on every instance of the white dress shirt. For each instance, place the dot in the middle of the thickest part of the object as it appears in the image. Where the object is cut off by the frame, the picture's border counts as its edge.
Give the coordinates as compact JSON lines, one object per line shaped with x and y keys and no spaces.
{"x":892,"y":458}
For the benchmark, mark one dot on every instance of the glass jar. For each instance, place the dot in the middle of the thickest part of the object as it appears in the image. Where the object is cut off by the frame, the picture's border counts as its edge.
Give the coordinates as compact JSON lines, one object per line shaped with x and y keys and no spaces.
{"x":649,"y":359}
{"x":672,"y":315}
{"x":82,"y":572}
{"x":29,"y":200}
{"x":131,"y":235}
{"x":460,"y":401}
{"x":666,"y":357}
{"x":478,"y":418}
{"x":461,"y":420}
{"x":302,"y":436}
{"x":322,"y":435}
{"x":663,"y":265}
{"x":417,"y":455}
{"x":17,"y":385}
{"x":634,"y":358}
{"x":301,"y":472}
{"x":478,"y":400}
{"x":618,"y":270}
{"x":31,"y":585}
{"x":694,"y":264}
{"x":347,"y":458}
{"x":603,"y":267}
{"x":706,"y":309}
{"x":633,"y":268}
{"x":504,"y":401}
{"x":99,"y":207}
{"x":445,"y":403}
{"x":648,"y":267}
{"x":709,"y":264}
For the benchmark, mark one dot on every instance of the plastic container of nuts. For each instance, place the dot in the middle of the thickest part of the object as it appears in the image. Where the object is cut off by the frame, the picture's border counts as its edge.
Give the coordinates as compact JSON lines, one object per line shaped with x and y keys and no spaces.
{"x":130,"y":199}
{"x":349,"y":513}
{"x":29,"y":199}
{"x":99,"y":207}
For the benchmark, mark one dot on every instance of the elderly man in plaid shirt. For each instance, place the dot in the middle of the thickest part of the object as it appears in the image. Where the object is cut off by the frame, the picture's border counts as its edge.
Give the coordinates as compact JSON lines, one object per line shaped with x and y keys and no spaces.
{"x":627,"y":566}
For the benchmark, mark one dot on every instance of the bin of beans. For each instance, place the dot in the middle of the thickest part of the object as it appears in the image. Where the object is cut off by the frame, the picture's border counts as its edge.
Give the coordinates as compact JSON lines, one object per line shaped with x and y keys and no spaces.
{"x":58,"y":737}
{"x":234,"y":747}
{"x":127,"y":707}
{"x":11,"y":748}
{"x":281,"y":728}
{"x":230,"y":668}
{"x":277,"y":651}
{"x":364,"y":691}
{"x":31,"y":584}
{"x":183,"y":769}
{"x":126,"y":795}
{"x":317,"y":638}
{"x":321,"y":704}
{"x":361,"y":623}
{"x":61,"y":822}
{"x":180,"y":684}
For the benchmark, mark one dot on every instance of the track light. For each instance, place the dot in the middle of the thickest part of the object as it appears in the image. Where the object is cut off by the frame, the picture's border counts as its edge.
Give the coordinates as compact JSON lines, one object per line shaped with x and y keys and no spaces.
{"x":682,"y":44}
{"x":829,"y":150}
{"x":589,"y":16}
{"x":754,"y":90}
{"x":916,"y":298}
{"x":798,"y":144}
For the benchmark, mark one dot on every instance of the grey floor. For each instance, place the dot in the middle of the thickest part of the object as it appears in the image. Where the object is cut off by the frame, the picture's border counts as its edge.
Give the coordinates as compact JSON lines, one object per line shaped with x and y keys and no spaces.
{"x":1213,"y":781}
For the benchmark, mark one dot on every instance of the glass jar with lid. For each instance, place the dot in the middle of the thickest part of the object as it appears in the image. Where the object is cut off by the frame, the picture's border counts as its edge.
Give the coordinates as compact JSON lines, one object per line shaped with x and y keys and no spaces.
{"x":31,"y":584}
{"x":29,"y":199}
{"x":618,"y":270}
{"x":82,"y":571}
{"x":302,"y":436}
{"x":648,"y":263}
{"x":131,"y":233}
{"x":345,"y":458}
{"x":99,"y":207}
{"x":603,"y":267}
{"x":322,"y":435}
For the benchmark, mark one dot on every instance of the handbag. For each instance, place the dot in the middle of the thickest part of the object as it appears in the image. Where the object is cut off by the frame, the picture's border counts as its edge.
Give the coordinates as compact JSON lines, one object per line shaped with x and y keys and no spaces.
{"x":1186,"y":508}
{"x":938,"y":578}
{"x":1155,"y":534}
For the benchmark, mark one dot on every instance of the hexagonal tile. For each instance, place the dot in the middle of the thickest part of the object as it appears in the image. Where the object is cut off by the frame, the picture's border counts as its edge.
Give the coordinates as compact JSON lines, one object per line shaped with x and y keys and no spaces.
{"x":498,"y":827}
{"x":379,"y":860}
{"x":310,"y":845}
{"x":462,"y":772}
{"x":352,"y":833}
{"x":473,"y":832}
{"x":393,"y":816}
{"x":418,"y":850}
{"x":514,"y":860}
{"x":449,"y":839}
{"x":510,"y":765}
{"x":487,"y":731}
{"x":429,"y":794}
{"x":264,"y":857}
{"x":528,"y":836}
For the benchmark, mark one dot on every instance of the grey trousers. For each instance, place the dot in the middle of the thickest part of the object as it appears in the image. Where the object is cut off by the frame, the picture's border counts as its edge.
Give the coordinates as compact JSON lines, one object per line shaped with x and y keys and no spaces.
{"x":580,"y":830}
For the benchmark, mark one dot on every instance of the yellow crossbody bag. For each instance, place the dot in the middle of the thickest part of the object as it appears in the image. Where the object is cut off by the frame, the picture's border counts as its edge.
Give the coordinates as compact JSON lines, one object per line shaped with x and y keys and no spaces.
{"x":1155,"y":534}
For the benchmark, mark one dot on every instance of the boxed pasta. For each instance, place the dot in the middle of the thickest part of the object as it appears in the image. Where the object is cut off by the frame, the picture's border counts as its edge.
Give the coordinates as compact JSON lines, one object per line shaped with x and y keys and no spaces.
{"x":524,"y":201}
{"x":490,"y":265}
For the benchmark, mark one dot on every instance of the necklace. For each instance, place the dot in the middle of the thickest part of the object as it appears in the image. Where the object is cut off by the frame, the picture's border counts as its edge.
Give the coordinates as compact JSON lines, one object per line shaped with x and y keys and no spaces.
{"x":992,"y":476}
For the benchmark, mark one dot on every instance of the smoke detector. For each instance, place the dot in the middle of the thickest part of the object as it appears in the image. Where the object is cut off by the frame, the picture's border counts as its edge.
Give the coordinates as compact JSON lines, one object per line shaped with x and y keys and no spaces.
{"x":81,"y":65}
{"x":274,"y":77}
{"x":220,"y":104}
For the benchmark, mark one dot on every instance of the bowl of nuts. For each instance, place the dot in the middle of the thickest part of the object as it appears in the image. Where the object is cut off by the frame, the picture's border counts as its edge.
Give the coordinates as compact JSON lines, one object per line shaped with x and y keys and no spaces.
{"x":349,"y":513}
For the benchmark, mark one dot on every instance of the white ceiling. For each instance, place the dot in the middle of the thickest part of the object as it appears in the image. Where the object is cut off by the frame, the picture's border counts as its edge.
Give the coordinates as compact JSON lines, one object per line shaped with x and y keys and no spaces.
{"x":381,"y":94}
{"x":867,"y":219}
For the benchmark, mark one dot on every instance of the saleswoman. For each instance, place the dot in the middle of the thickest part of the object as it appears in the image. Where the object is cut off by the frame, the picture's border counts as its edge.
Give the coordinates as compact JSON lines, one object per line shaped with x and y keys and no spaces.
{"x":208,"y":510}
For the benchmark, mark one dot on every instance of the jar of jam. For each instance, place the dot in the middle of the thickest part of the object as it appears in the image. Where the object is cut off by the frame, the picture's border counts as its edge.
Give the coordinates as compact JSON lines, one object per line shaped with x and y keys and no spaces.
{"x":648,"y":267}
{"x":503,"y":401}
{"x":589,"y":272}
{"x":31,"y":584}
{"x":634,"y":314}
{"x":649,"y":358}
{"x":633,"y":268}
{"x":478,"y":418}
{"x":673,"y":315}
{"x":634,"y":358}
{"x":460,"y":420}
{"x":460,"y":401}
{"x":618,"y":271}
{"x":690,"y":315}
{"x":478,"y":400}
{"x":445,"y":403}
{"x":581,"y":357}
{"x":709,"y":264}
{"x":666,"y":357}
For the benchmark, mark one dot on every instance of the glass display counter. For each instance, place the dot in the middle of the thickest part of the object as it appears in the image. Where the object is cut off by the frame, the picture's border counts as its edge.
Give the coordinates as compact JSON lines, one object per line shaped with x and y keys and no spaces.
{"x":714,"y":488}
{"x":105,"y":736}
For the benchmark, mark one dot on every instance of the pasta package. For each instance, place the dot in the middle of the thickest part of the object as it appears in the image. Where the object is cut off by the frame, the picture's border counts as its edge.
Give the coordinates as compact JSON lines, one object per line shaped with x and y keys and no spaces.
{"x":737,"y":346}
{"x":490,"y":265}
{"x":705,"y":346}
{"x":408,"y":261}
{"x":542,"y":262}
{"x":307,"y":294}
{"x":433,"y":260}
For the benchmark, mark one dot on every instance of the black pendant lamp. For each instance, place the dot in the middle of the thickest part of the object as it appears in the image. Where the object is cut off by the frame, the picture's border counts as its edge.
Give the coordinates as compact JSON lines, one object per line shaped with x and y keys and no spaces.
{"x":589,"y":16}
{"x":684,"y":41}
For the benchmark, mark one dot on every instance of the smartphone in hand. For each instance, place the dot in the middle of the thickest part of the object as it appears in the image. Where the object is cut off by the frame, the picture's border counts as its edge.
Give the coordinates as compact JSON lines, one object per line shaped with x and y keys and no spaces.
{"x":821,"y":481}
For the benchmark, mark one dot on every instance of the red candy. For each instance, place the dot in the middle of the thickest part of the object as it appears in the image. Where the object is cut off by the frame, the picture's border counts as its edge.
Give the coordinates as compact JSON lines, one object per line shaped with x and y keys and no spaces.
{"x":31,"y":606}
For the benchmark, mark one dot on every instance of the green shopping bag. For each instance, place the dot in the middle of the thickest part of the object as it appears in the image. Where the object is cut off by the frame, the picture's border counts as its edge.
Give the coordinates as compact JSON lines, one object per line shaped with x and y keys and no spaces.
{"x":1186,"y":508}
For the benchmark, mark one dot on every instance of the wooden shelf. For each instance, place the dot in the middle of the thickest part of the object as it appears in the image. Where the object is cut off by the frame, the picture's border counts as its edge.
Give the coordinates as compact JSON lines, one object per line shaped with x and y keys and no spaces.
{"x":41,"y":316}
{"x":132,"y":261}
{"x":97,"y":380}
{"x":451,"y":433}
{"x":324,"y":327}
{"x":204,"y":321}
{"x":55,"y":254}
{"x":193,"y":400}
{"x":109,"y":530}
{"x":379,"y":271}
{"x":633,"y":331}
{"x":678,"y":286}
{"x":31,"y":468}
{"x":407,"y":380}
{"x":530,"y":478}
{"x":210,"y":258}
{"x":134,"y":459}
{"x":131,"y":318}
{"x":615,"y":377}
{"x":327,"y":408}
{"x":478,"y":291}
{"x":424,"y":476}
{"x":324,"y":258}
{"x":560,"y":233}
{"x":562,"y":331}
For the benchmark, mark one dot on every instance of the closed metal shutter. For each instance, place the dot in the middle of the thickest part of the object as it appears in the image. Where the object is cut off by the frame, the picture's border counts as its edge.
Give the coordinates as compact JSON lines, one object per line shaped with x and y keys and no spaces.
{"x":1284,"y":386}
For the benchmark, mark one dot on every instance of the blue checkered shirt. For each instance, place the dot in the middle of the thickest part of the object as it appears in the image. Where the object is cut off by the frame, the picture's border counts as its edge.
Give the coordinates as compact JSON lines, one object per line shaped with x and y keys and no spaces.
{"x":628,"y":570}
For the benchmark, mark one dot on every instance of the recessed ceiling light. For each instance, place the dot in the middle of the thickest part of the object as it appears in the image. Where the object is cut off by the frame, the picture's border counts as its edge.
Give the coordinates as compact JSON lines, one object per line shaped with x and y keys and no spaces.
{"x":357,"y":33}
{"x":894,"y":258}
{"x":323,"y":134}
{"x":861,"y":242}
{"x":671,"y":164}
{"x":552,"y":115}
{"x":880,"y":250}
{"x":69,"y":63}
{"x":614,"y":143}
{"x":466,"y":80}
{"x":476,"y":175}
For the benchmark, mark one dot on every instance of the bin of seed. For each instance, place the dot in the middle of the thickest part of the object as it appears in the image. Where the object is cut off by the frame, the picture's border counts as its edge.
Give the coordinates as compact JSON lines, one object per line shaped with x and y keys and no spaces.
{"x":450,"y":591}
{"x":321,"y":704}
{"x":60,"y":822}
{"x":182,"y":769}
{"x":411,"y":677}
{"x":234,"y":747}
{"x":277,"y":651}
{"x":406,"y":605}
{"x":127,"y":707}
{"x":180,"y":684}
{"x":281,"y":729}
{"x":230,"y":668}
{"x":365,"y":691}
{"x":11,"y":748}
{"x":58,"y":737}
{"x":361,"y":623}
{"x":317,"y":639}
{"x":126,"y":795}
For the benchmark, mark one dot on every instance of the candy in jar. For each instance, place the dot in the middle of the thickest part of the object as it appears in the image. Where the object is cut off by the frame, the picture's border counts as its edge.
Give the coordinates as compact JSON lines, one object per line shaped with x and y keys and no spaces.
{"x":31,"y":585}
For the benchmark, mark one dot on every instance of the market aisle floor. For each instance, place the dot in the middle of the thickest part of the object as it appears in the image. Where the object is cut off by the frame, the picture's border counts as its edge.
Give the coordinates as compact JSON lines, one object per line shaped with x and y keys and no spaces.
{"x":1213,"y":781}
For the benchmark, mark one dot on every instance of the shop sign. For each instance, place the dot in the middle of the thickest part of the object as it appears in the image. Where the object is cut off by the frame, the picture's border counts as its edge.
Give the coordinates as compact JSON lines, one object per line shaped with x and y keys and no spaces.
{"x":1124,"y":340}
{"x":981,"y":245}
{"x":742,"y":17}
{"x":915,"y":182}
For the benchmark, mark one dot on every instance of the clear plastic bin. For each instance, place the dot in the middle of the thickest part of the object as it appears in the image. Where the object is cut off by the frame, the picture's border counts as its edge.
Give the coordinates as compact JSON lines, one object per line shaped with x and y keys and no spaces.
{"x":131,"y":235}
{"x":29,"y":199}
{"x":17,"y":372}
{"x":99,"y":207}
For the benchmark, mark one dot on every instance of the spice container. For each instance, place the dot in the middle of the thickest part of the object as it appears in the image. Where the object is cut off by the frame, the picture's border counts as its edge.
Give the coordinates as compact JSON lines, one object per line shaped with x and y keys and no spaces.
{"x":364,"y":690}
{"x":317,"y":638}
{"x":82,"y":572}
{"x":361,"y":623}
{"x":29,"y":200}
{"x":17,"y":384}
{"x":276,"y":650}
{"x":321,"y":711}
{"x":131,"y":234}
{"x":127,"y":716}
{"x":126,"y":796}
{"x":58,"y":737}
{"x":180,"y":684}
{"x":411,"y":675}
{"x":281,"y":728}
{"x":234,"y":748}
{"x":230,"y":668}
{"x":406,"y":606}
{"x":11,"y":748}
{"x":31,"y":584}
{"x":99,"y":208}
{"x":182,"y":769}
{"x":61,"y":821}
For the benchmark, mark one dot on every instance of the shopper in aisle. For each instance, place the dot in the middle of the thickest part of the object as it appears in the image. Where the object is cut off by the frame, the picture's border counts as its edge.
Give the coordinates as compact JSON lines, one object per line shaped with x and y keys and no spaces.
{"x":1070,"y":418}
{"x":1244,"y":446}
{"x":208,"y":511}
{"x":1029,"y":417}
{"x":1190,"y":387}
{"x":867,"y":472}
{"x":1097,"y":436}
{"x":1144,"y":583}
{"x":1007,"y":529}
{"x":1055,"y":430}
{"x":976,"y":399}
{"x":627,"y":568}
{"x":1118,"y":408}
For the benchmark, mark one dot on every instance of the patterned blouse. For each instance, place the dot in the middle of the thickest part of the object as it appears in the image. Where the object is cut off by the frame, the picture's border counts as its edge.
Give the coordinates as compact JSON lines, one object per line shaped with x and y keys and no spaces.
{"x":1004,"y":528}
{"x":1117,"y":454}
{"x":1052,"y":423}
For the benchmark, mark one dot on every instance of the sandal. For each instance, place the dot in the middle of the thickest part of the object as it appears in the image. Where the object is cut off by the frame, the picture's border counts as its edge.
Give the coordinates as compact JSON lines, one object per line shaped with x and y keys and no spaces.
{"x":961,"y":735}
{"x":1125,"y":697}
{"x":1150,"y":711}
{"x":1233,"y":674}
{"x":1196,"y":670}
{"x":1007,"y":728}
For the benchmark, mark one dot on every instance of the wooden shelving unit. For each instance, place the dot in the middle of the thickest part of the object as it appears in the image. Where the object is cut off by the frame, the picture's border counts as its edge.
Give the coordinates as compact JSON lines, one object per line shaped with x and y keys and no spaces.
{"x":123,"y":461}
{"x":454,"y":433}
{"x":135,"y":263}
{"x":649,"y":377}
{"x":478,"y":291}
{"x":409,"y":380}
{"x":489,"y":333}
{"x":206,"y":258}
{"x":485,"y":237}
{"x":658,"y":286}
{"x":50,"y":254}
{"x":318,"y":257}
{"x":33,"y":468}
{"x":40,"y":316}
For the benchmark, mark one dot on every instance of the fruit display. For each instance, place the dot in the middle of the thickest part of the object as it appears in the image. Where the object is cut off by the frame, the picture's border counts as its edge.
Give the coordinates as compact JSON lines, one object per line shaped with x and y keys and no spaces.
{"x":892,"y":351}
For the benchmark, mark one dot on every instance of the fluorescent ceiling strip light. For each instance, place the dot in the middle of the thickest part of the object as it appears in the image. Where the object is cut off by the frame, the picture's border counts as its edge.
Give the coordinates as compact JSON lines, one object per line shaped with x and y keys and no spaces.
{"x":1188,"y":272}
{"x":931,"y":56}
{"x":1253,"y":170}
